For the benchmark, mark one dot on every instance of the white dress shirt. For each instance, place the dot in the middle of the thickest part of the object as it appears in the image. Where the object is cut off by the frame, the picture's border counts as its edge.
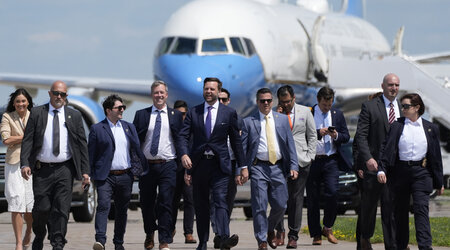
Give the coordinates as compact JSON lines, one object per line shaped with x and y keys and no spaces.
{"x":166,"y":147}
{"x":46,"y":155}
{"x":388,"y":107}
{"x":412,"y":145}
{"x":121,"y":159}
{"x":263,"y":149}
{"x":318,"y":119}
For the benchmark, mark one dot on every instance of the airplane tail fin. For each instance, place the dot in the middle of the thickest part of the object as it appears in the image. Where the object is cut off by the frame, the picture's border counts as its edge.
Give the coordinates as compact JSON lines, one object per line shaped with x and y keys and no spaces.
{"x":354,"y":8}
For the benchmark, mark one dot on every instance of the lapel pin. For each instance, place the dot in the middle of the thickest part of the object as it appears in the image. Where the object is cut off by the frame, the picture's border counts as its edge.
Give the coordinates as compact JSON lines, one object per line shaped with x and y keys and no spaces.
{"x":276,"y":116}
{"x":126,"y":130}
{"x":173,"y":112}
{"x":429,"y":130}
{"x":69,"y":116}
{"x":334,"y":112}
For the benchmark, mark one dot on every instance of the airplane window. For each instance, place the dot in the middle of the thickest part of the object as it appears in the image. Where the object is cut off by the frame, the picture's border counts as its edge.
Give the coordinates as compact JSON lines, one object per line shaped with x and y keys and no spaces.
{"x":214,"y":45}
{"x":164,"y":45}
{"x":237,"y":45}
{"x":184,"y":46}
{"x":250,"y":47}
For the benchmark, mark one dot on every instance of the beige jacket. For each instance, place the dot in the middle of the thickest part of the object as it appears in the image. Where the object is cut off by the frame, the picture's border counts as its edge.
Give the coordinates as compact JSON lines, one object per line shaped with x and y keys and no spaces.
{"x":12,"y":126}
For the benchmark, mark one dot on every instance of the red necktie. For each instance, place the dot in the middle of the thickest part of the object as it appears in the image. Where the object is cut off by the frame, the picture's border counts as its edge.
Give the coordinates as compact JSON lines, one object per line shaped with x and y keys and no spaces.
{"x":391,"y":113}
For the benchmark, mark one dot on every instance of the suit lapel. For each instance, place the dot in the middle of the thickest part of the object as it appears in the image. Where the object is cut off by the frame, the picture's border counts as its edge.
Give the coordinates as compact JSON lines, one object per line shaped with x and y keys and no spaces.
{"x":108,"y":130}
{"x":170,"y":114}
{"x":333,"y":117}
{"x":219,"y":119}
{"x":43,"y":121}
{"x":257,"y":123}
{"x":382,"y":110}
{"x":427,"y":130}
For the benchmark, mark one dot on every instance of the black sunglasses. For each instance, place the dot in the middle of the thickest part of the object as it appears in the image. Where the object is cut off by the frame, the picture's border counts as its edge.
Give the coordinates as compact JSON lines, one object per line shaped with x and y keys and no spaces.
{"x":120,"y":107}
{"x":57,"y":93}
{"x":262,"y":101}
{"x":406,"y":106}
{"x":223,"y":99}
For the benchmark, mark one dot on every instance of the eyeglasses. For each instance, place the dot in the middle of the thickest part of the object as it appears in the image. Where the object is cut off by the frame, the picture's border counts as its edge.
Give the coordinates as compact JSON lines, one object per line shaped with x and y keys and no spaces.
{"x":286,"y":102}
{"x":122,"y":107}
{"x":57,"y":93}
{"x":406,"y":106}
{"x":262,"y":101}
{"x":224,"y":99}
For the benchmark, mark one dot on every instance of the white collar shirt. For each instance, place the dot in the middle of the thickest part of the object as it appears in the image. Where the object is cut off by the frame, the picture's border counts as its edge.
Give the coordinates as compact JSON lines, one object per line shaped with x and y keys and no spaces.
{"x":412,"y":145}
{"x":121,"y":159}
{"x":319,"y":120}
{"x":263,"y":149}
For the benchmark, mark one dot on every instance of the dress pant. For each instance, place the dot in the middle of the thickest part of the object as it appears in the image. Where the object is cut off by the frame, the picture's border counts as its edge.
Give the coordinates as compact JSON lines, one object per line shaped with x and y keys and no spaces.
{"x":52,"y":187}
{"x":156,"y":196}
{"x":188,"y":203}
{"x":268,"y":185}
{"x":417,"y":182}
{"x":208,"y":179}
{"x":231,"y":194}
{"x":296,"y":190}
{"x":373,"y":191}
{"x":118,"y":188}
{"x":326,"y":171}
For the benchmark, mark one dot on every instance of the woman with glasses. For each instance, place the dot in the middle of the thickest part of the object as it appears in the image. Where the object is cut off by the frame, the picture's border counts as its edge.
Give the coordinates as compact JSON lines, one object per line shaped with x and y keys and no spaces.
{"x":18,"y":191}
{"x":411,"y":163}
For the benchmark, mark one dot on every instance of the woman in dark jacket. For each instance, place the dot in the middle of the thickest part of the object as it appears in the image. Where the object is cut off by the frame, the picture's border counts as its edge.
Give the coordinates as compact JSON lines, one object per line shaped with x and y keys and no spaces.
{"x":411,"y":159}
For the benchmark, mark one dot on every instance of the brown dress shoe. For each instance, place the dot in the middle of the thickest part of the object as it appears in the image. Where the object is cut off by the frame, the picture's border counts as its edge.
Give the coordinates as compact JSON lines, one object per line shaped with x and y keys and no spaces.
{"x":292,"y":243}
{"x":328,"y":232}
{"x":149,"y":242}
{"x":280,"y":238}
{"x":317,"y":240}
{"x":189,"y":239}
{"x":271,"y":239}
{"x":163,"y":246}
{"x":365,"y":244}
{"x":262,"y":246}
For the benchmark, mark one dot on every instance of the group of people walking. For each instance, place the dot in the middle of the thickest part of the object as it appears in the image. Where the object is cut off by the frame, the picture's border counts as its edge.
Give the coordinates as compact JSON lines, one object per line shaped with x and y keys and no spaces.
{"x":202,"y":153}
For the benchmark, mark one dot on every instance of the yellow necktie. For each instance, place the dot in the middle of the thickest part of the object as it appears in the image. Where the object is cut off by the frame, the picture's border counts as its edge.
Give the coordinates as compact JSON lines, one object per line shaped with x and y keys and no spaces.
{"x":270,"y":142}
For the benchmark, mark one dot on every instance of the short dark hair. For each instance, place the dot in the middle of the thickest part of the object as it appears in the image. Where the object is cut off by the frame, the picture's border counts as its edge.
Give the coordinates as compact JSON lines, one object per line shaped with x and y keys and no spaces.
{"x":224,"y":90}
{"x":213,"y":79}
{"x":12,"y":97}
{"x":284,"y":90}
{"x":109,"y":101}
{"x":325,"y":93}
{"x":180,"y":104}
{"x":415,"y":100}
{"x":262,"y":91}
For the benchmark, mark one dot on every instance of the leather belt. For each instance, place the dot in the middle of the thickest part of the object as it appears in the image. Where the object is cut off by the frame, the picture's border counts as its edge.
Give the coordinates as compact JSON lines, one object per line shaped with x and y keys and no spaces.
{"x":411,"y":163}
{"x":326,"y":156}
{"x":119,"y":172}
{"x":258,"y":161}
{"x":53,"y":164}
{"x":157,"y":161}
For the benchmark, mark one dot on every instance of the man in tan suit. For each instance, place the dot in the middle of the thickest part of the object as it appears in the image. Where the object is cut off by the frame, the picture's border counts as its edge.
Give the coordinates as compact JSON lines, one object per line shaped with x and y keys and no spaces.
{"x":303,"y":129}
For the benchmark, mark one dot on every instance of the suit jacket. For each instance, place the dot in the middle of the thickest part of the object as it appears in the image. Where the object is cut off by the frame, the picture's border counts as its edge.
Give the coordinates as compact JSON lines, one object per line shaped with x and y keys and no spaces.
{"x":305,"y":136}
{"x":338,"y":121}
{"x":142,"y":120}
{"x":12,"y":126}
{"x":34,"y":138}
{"x":226,"y":125}
{"x":373,"y":126}
{"x":389,"y":150}
{"x":251,"y":131}
{"x":102,"y":147}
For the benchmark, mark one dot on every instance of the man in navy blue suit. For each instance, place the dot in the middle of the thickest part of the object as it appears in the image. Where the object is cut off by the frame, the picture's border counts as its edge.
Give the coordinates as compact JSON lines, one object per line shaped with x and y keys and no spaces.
{"x":158,"y":127}
{"x":332,"y":132}
{"x":115,"y":157}
{"x":209,"y":125}
{"x":270,"y":153}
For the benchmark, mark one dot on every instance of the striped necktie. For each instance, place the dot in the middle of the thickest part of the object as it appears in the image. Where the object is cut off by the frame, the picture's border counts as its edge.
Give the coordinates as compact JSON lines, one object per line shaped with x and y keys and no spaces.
{"x":391,"y":113}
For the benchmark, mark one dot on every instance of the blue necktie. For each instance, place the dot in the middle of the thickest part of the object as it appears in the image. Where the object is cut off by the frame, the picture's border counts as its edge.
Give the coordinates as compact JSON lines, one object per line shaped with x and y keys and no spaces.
{"x":327,"y":138}
{"x":156,"y":134}
{"x":208,"y":123}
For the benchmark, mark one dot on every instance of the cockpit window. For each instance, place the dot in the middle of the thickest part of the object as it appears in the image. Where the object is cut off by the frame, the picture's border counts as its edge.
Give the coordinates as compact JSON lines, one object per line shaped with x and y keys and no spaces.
{"x":250,"y":47}
{"x":214,"y":45}
{"x":237,"y":45}
{"x":164,"y":45}
{"x":184,"y":46}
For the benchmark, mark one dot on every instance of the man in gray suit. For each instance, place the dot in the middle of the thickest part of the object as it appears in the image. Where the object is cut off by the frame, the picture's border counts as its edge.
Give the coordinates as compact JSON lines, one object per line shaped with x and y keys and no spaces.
{"x":271,"y":156}
{"x":303,"y":129}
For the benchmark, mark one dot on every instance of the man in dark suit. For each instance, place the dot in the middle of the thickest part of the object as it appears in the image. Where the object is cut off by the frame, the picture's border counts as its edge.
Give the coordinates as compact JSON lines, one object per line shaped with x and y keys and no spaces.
{"x":209,"y":125}
{"x":158,"y":127}
{"x":373,"y":125}
{"x":54,"y":150}
{"x":332,"y":132}
{"x":270,"y":153}
{"x":115,"y":156}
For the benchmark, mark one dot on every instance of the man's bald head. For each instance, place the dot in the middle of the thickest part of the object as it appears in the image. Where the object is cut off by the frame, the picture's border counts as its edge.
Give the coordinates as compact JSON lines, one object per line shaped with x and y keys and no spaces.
{"x":390,"y":86}
{"x":58,"y":94}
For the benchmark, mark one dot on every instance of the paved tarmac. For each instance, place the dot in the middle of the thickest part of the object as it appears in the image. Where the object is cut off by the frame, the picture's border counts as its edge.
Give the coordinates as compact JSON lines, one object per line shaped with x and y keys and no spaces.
{"x":81,"y":235}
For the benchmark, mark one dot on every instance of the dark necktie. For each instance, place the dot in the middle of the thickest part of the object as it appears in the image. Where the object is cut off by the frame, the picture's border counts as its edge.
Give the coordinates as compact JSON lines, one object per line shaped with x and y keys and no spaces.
{"x":208,"y":123}
{"x":156,"y":134}
{"x":55,"y":133}
{"x":391,"y":113}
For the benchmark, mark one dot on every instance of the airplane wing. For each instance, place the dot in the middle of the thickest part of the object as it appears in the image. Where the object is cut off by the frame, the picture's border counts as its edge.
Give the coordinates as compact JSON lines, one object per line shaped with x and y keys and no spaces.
{"x":432,"y":57}
{"x":128,"y":88}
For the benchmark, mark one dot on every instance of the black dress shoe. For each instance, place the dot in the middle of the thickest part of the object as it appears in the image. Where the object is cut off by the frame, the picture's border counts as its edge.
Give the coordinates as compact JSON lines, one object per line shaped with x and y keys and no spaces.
{"x":229,"y":242}
{"x":202,"y":246}
{"x":217,"y":241}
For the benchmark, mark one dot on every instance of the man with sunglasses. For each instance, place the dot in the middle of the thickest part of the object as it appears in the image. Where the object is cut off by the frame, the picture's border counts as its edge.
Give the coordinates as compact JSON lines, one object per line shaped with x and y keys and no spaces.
{"x":374,"y":123}
{"x":115,"y":157}
{"x":271,"y":157}
{"x":158,"y":127}
{"x":54,"y":149}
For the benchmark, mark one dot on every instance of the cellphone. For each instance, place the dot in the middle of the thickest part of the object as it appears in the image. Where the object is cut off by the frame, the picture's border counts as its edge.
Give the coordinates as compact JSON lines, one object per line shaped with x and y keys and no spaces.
{"x":331,"y":128}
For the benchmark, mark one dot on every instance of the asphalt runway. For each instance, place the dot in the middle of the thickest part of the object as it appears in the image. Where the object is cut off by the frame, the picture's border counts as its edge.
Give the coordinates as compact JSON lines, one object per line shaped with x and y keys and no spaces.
{"x":80,"y":236}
